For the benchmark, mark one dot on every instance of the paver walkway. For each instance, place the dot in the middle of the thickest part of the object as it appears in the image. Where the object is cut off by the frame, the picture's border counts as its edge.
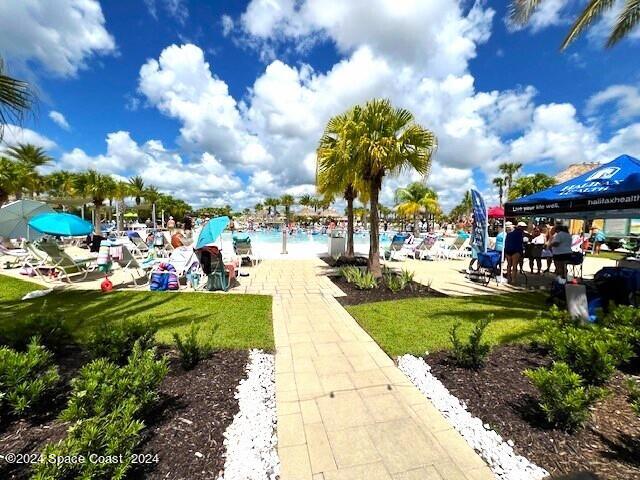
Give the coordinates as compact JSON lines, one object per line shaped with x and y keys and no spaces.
{"x":344,"y":410}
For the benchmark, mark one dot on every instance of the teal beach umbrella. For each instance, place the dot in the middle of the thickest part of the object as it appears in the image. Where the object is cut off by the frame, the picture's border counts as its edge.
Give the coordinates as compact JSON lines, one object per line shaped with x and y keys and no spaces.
{"x":62,"y":224}
{"x":211,"y":231}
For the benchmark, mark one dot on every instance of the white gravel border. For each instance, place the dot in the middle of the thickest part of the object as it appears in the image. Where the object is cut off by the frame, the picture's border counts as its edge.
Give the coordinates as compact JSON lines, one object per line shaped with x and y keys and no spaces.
{"x":499,"y":454}
{"x":250,"y":440}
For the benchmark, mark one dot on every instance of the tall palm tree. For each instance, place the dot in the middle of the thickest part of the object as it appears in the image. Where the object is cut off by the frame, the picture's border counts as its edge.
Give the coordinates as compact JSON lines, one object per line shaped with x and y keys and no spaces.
{"x":509,"y":170}
{"x":258,"y":207}
{"x":96,"y":186}
{"x":10,"y":179}
{"x":152,"y":195}
{"x":336,"y":172}
{"x":414,"y":199}
{"x":28,"y":158}
{"x":287,"y":201}
{"x":15,"y":98}
{"x":271,"y":203}
{"x":315,"y":203}
{"x":530,"y":184}
{"x":387,"y":141}
{"x":121,"y":191}
{"x":137,"y":188}
{"x":499,"y":182}
{"x":305,"y":200}
{"x":628,"y":19}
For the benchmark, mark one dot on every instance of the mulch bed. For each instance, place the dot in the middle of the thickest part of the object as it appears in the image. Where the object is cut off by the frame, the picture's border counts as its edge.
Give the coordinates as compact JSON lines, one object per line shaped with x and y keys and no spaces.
{"x":185,"y":431}
{"x":501,"y":396}
{"x":197,"y":408}
{"x":355,"y":296}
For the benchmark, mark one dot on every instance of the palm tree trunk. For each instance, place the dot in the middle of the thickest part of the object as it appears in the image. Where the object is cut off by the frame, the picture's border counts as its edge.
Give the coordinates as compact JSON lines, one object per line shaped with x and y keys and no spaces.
{"x":374,"y":239}
{"x":121,"y":216}
{"x":96,"y":219}
{"x":416,"y":227}
{"x":348,"y":195}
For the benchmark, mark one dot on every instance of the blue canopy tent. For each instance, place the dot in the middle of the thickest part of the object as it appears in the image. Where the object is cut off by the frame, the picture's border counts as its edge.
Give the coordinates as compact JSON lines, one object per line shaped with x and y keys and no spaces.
{"x":609,"y":191}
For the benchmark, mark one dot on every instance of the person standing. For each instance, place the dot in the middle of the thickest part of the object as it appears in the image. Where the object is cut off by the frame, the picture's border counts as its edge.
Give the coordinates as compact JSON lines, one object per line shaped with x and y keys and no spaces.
{"x":513,"y":246}
{"x":536,"y":246}
{"x":561,"y":248}
{"x":171,"y":225}
{"x":598,"y":239}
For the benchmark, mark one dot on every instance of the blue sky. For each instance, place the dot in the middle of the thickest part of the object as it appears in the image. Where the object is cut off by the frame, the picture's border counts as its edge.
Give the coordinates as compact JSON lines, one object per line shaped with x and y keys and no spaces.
{"x":223,"y":102}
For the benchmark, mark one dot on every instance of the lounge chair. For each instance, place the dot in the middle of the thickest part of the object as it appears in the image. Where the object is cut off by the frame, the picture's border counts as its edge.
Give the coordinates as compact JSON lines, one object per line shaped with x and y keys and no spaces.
{"x":394,"y":251}
{"x":426,"y":249}
{"x":137,"y":246}
{"x":133,"y":266}
{"x":68,"y":268}
{"x":13,"y":257}
{"x":459,"y":248}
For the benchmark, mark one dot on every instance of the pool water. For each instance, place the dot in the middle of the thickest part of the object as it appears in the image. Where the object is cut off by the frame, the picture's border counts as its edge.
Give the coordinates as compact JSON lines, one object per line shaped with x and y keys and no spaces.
{"x":274,"y":236}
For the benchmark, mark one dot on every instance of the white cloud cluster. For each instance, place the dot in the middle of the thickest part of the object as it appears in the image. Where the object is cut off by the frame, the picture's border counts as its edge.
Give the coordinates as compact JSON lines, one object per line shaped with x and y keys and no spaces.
{"x":625,"y":100}
{"x":14,"y":134}
{"x":59,"y":119}
{"x":176,"y":9}
{"x":60,"y":35}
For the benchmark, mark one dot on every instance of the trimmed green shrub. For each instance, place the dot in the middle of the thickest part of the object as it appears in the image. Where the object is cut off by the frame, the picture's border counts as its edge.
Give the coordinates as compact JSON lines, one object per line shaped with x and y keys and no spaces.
{"x":406,"y":276}
{"x":190,"y":351}
{"x":113,"y":437}
{"x":115,"y":341}
{"x":564,"y":399}
{"x":634,"y":394}
{"x":103,"y":386}
{"x":591,"y":351}
{"x":51,"y":328}
{"x":473,"y":353}
{"x":26,"y":377}
{"x":394,"y":282}
{"x":624,"y":320}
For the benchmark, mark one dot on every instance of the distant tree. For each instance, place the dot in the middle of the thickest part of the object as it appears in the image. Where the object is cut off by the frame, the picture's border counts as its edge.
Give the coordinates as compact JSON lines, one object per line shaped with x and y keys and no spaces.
{"x":499,"y":182}
{"x":287,"y":201}
{"x":530,"y":184}
{"x":137,"y":186}
{"x":415,"y":199}
{"x":509,"y":171}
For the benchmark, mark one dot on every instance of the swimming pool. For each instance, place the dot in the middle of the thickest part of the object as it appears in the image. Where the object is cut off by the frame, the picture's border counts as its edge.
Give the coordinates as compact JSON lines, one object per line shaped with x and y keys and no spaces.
{"x":275,"y":236}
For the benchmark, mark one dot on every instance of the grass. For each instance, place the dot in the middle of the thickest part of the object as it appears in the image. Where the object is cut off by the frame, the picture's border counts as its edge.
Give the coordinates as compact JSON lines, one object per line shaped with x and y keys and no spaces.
{"x":226,"y":321}
{"x":416,"y":325}
{"x":610,"y":255}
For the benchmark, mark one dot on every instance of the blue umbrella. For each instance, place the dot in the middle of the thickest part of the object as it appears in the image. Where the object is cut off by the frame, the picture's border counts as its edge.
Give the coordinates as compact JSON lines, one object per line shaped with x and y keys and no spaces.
{"x":63,"y":224}
{"x":211,"y":231}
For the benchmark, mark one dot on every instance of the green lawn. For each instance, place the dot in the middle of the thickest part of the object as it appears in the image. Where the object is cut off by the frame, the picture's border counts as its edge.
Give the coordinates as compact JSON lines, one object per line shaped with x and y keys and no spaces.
{"x":610,"y":255}
{"x":242,"y":321}
{"x":417,"y":325}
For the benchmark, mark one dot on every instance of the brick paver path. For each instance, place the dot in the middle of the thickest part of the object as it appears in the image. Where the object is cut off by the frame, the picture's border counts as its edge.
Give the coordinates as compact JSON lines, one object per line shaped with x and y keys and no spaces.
{"x":344,"y":410}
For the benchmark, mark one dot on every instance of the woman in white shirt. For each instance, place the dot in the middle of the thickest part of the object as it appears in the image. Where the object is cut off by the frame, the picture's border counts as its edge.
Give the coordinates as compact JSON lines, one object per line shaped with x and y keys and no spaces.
{"x":535,"y":247}
{"x":561,"y":248}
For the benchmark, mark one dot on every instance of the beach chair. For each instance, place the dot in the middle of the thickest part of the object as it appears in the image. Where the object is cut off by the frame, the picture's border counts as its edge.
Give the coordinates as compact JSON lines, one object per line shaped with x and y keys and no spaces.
{"x":394,"y":251}
{"x":213,"y":266}
{"x":132,"y":265}
{"x":459,"y":248}
{"x":137,"y":246}
{"x":427,"y":249}
{"x":12,"y":257}
{"x":66,"y":267}
{"x":242,"y":248}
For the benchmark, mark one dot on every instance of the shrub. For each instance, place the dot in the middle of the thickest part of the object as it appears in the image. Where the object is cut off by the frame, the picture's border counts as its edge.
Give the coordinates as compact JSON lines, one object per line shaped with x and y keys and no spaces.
{"x":592,"y":352}
{"x":365,"y":281}
{"x":406,"y":276}
{"x":115,"y":341}
{"x":394,"y":282}
{"x":634,"y":394}
{"x":625,"y":321}
{"x":103,"y":386}
{"x":473,"y":353}
{"x":564,"y":400}
{"x":25,"y":377}
{"x":350,"y":273}
{"x":51,"y":328}
{"x":115,"y":435}
{"x":190,"y":351}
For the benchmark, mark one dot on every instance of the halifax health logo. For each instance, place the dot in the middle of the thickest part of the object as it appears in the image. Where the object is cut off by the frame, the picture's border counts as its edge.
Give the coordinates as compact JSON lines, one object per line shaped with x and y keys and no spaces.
{"x":599,"y":181}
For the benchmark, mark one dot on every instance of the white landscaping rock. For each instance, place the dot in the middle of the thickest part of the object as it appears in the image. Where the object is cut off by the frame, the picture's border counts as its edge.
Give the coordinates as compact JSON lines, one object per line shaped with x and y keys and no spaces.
{"x":498,"y":454}
{"x":251,"y":440}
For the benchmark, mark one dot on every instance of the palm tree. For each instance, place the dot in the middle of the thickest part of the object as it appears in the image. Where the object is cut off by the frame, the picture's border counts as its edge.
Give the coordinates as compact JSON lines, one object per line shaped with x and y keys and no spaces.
{"x":287,"y":201}
{"x":499,"y":182}
{"x":530,"y":184}
{"x":414,"y":199}
{"x":509,"y":170}
{"x":10,"y":179}
{"x":305,"y":200}
{"x":336,"y":172}
{"x":386,"y":142}
{"x":152,"y":195}
{"x":628,"y":19}
{"x":15,"y":98}
{"x":464,"y":208}
{"x":137,"y":188}
{"x":258,"y":207}
{"x":271,"y":203}
{"x":28,"y":158}
{"x":95,"y":186}
{"x":315,"y":203}
{"x":121,"y":191}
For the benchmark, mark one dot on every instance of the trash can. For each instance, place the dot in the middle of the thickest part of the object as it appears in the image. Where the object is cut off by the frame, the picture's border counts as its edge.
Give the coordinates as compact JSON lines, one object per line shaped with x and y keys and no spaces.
{"x":337,"y":243}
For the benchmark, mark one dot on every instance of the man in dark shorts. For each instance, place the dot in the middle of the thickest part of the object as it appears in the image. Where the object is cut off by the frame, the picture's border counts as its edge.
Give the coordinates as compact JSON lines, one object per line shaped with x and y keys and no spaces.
{"x":513,"y":246}
{"x":561,"y":249}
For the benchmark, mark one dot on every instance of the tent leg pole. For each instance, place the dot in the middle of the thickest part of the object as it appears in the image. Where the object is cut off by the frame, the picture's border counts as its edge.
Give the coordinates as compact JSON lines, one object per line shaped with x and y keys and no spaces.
{"x":501,"y":278}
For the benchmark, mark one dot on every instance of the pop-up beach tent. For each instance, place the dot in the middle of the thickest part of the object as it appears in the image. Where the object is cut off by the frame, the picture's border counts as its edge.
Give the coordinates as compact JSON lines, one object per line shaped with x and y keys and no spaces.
{"x":609,"y":191}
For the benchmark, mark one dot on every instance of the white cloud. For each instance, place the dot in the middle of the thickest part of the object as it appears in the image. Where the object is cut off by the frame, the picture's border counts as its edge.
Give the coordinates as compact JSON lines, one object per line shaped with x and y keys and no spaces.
{"x":60,"y":35}
{"x":13,"y":134}
{"x":227,"y":24}
{"x":625,"y":100}
{"x":59,"y":119}
{"x":176,"y":9}
{"x":599,"y":32}
{"x":549,"y":13}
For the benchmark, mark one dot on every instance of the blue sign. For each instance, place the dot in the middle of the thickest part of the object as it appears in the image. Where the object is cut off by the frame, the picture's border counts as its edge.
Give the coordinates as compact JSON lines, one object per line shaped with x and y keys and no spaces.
{"x":480,"y":222}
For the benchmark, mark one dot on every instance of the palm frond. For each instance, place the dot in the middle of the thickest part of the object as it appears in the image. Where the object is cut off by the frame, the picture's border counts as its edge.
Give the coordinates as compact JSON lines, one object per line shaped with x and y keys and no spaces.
{"x":627,"y":21}
{"x":520,"y":11}
{"x":589,"y":15}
